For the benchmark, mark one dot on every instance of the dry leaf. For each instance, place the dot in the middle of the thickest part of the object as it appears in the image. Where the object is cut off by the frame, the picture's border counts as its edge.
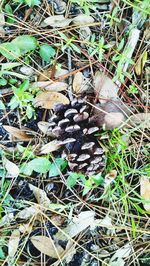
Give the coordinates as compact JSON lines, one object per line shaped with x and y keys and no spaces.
{"x":51,"y":85}
{"x":77,"y":82}
{"x":141,"y":119}
{"x":83,"y":20}
{"x":45,"y":75}
{"x":47,"y":246}
{"x":17,"y":133}
{"x":43,"y":126}
{"x":25,"y":228}
{"x":110,"y":177}
{"x":54,"y":145}
{"x":60,"y":72}
{"x":85,"y":33}
{"x":122,"y":252}
{"x":6,"y":219}
{"x":28,"y":213}
{"x":141,"y":63}
{"x":80,"y":223}
{"x":57,"y":21}
{"x":104,"y":87}
{"x":48,"y":100}
{"x":13,"y":243}
{"x":113,"y":120}
{"x":145,"y":191}
{"x":11,"y":168}
{"x":28,"y":71}
{"x":40,"y":196}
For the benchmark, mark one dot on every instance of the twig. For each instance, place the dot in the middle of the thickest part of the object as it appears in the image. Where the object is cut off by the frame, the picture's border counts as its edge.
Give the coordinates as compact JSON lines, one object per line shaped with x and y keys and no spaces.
{"x":70,"y":77}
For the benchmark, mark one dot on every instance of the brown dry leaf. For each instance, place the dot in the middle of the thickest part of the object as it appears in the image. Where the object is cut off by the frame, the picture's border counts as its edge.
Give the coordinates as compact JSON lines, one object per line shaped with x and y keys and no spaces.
{"x":145,"y":191}
{"x":77,"y":82}
{"x":54,"y":145}
{"x":17,"y":133}
{"x":141,"y":63}
{"x":48,"y":100}
{"x":13,"y":243}
{"x":113,"y":120}
{"x":25,"y":228}
{"x":45,"y":75}
{"x":104,"y":87}
{"x":43,"y":126}
{"x":40,"y":196}
{"x":12,"y":168}
{"x":47,"y":246}
{"x":57,"y":21}
{"x":110,"y":177}
{"x":51,"y":85}
{"x":83,"y":20}
{"x":141,"y":119}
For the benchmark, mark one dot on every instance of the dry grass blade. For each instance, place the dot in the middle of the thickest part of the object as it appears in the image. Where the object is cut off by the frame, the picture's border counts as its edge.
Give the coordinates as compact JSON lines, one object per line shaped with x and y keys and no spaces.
{"x":46,"y":246}
{"x":48,"y":100}
{"x":17,"y":133}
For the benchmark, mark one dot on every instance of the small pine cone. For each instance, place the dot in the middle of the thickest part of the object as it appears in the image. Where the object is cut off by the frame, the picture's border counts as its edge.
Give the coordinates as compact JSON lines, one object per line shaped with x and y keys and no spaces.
{"x":71,"y":124}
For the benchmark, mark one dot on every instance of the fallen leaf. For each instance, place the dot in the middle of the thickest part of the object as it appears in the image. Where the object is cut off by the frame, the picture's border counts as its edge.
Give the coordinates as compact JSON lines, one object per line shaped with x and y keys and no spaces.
{"x":40,"y":196}
{"x":104,"y":87}
{"x":51,"y":85}
{"x":141,"y":119}
{"x":13,"y":243}
{"x":113,"y":120}
{"x":26,"y":70}
{"x":17,"y":133}
{"x":54,"y":145}
{"x":47,"y":246}
{"x":141,"y":63}
{"x":78,"y":224}
{"x":48,"y":100}
{"x":60,"y":72}
{"x":109,"y":178}
{"x":145,"y":191}
{"x":44,"y":75}
{"x":57,"y":21}
{"x":27,"y":213}
{"x":83,"y":19}
{"x":25,"y":228}
{"x":6,"y":219}
{"x":12,"y":168}
{"x":77,"y":82}
{"x":118,"y":261}
{"x":43,"y":126}
{"x":122,"y":252}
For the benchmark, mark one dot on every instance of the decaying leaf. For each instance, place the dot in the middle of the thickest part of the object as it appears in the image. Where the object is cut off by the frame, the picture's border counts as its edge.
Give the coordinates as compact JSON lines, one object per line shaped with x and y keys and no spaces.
{"x":113,"y":120}
{"x":104,"y":87}
{"x":6,"y":219}
{"x":77,"y":82}
{"x":25,"y":228}
{"x":48,"y":100}
{"x":54,"y":145}
{"x":12,"y":168}
{"x":40,"y":196}
{"x":141,"y":119}
{"x":43,"y":126}
{"x":17,"y":133}
{"x":83,"y":19}
{"x":51,"y":85}
{"x":122,"y":252}
{"x":13,"y":243}
{"x":141,"y":63}
{"x":28,"y":213}
{"x":26,"y":70}
{"x":57,"y":21}
{"x":110,"y":177}
{"x":145,"y":191}
{"x":47,"y":246}
{"x":78,"y":224}
{"x":2,"y":19}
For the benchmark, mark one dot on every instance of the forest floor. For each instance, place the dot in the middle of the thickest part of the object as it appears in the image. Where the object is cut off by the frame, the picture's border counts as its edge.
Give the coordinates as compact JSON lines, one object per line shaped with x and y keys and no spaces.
{"x":74,"y":133}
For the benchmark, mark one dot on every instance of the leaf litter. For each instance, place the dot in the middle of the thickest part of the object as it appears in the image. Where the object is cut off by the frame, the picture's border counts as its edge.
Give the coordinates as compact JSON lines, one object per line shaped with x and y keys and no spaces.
{"x":93,"y":51}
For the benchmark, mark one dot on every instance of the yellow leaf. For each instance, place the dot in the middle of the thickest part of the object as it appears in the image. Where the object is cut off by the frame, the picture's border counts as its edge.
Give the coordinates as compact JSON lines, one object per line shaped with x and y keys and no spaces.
{"x":48,"y":100}
{"x":141,"y":63}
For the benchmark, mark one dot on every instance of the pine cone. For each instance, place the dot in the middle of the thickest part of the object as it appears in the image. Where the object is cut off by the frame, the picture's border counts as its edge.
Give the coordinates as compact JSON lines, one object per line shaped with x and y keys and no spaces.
{"x":71,"y":124}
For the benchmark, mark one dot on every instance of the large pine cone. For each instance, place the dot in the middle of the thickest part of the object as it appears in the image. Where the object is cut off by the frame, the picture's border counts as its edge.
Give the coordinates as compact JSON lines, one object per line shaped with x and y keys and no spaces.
{"x":71,"y":124}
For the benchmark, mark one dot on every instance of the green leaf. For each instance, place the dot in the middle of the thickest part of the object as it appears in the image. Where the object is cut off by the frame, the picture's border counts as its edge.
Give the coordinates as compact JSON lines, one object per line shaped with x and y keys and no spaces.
{"x":10,"y":16}
{"x":3,"y":82}
{"x":72,"y":179}
{"x":10,"y":51}
{"x":57,"y":167}
{"x":25,"y":43}
{"x":28,"y":2}
{"x":2,"y":106}
{"x":29,"y":111}
{"x":47,"y":52}
{"x":2,"y":255}
{"x":98,"y":179}
{"x":40,"y":165}
{"x":8,"y":66}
